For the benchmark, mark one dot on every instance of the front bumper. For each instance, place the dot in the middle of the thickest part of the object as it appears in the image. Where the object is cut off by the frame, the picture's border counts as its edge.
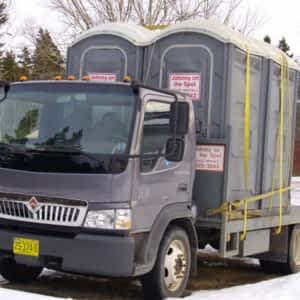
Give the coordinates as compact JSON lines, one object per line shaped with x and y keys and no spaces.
{"x":93,"y":254}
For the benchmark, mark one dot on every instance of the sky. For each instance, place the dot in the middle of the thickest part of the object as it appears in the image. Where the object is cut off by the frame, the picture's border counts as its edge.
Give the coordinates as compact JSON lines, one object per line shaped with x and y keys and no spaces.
{"x":281,"y":19}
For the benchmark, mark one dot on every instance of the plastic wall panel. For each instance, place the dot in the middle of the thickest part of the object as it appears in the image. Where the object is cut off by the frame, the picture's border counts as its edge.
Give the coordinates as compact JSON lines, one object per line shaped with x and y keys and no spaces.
{"x":105,"y":54}
{"x":236,"y":188}
{"x":271,"y":169}
{"x":192,"y":53}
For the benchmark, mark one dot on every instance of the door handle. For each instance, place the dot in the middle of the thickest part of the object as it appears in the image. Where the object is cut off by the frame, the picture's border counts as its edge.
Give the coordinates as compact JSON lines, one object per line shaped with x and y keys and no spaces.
{"x":182,"y":187}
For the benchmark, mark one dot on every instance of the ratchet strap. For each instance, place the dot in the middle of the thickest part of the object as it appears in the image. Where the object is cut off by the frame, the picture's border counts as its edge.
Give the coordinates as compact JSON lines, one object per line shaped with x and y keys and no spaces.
{"x":247,"y":109}
{"x":283,"y":77}
{"x":229,"y":206}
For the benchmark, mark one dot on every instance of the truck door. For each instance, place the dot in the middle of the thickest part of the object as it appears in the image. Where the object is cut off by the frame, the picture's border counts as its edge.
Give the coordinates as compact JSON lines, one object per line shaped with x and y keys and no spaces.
{"x":160,"y":182}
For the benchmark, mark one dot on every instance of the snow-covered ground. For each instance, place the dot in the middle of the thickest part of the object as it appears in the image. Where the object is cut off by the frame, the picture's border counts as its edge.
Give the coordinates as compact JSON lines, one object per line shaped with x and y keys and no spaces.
{"x":14,"y":295}
{"x":283,"y":288}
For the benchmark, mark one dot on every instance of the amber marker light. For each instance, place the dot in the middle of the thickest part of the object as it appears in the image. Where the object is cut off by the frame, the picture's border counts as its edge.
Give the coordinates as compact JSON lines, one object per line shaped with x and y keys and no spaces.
{"x":127,"y":78}
{"x":58,"y":77}
{"x":85,"y":78}
{"x":23,"y":78}
{"x":71,"y":77}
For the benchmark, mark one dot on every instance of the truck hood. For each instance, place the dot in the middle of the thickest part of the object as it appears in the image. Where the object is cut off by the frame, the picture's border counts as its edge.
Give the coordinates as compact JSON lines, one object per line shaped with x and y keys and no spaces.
{"x":94,"y":188}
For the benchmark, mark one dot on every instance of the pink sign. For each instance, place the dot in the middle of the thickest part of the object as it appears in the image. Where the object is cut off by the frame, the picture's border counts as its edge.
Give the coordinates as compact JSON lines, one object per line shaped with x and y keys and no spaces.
{"x":103,"y":76}
{"x":210,"y":158}
{"x":188,"y":83}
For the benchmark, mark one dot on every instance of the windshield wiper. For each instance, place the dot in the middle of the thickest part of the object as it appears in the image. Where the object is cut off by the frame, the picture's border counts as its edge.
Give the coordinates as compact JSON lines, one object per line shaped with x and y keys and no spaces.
{"x":64,"y":150}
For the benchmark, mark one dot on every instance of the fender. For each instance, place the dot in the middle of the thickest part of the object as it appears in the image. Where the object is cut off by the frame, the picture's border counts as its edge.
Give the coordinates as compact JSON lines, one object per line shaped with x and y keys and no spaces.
{"x":177,"y":213}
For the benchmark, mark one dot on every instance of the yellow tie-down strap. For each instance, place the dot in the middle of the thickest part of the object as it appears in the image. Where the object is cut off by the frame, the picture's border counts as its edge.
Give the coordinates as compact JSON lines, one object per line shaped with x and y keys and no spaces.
{"x":229,"y":206}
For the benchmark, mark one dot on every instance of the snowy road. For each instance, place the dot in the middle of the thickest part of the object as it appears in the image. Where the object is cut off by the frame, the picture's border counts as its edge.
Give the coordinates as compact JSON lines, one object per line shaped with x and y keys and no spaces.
{"x":218,"y":278}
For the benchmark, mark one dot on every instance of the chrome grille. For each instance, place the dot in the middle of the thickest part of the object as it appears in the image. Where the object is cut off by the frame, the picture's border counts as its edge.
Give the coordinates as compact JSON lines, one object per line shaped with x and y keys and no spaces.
{"x":61,"y":214}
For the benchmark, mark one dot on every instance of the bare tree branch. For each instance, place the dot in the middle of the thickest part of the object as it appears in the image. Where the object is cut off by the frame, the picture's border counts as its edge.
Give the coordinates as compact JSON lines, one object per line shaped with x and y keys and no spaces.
{"x":80,"y":15}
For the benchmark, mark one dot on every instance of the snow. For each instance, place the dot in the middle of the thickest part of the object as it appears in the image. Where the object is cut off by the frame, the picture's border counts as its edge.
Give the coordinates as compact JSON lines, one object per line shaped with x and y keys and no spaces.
{"x":15,"y":295}
{"x":283,"y":288}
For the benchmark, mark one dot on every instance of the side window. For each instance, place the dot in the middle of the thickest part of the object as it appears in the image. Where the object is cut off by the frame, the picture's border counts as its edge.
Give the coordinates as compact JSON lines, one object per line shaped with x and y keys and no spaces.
{"x":156,"y":132}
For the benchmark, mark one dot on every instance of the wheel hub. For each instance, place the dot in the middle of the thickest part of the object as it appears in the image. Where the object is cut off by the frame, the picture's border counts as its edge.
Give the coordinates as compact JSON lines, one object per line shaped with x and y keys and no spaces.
{"x":175,"y":265}
{"x":297,"y":248}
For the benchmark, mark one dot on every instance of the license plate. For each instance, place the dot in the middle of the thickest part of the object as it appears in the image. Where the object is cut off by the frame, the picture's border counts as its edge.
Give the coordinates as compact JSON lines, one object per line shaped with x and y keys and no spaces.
{"x":26,"y":247}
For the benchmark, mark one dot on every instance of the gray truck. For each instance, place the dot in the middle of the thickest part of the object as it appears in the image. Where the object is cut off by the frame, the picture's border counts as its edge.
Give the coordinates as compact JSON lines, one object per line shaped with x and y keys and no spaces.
{"x":129,"y":180}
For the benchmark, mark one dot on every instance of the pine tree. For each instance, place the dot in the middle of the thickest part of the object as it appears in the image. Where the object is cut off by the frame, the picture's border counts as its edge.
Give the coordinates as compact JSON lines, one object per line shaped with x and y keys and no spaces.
{"x":9,"y":67}
{"x":284,"y":46}
{"x":267,"y":39}
{"x":47,"y":59}
{"x":25,"y":62}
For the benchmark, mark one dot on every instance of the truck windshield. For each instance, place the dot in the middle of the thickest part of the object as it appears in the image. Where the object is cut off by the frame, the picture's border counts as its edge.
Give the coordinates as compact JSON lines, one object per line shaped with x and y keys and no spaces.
{"x":66,"y":127}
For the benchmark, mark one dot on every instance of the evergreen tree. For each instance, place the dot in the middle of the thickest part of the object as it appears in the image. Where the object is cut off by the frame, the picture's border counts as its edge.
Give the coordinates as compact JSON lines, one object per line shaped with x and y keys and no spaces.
{"x":25,"y":62}
{"x":47,"y":60}
{"x":267,"y":39}
{"x":9,"y":67}
{"x":284,"y":46}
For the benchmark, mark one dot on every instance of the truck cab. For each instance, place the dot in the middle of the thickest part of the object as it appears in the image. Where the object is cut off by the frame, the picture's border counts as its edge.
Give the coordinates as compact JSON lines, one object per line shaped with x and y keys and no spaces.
{"x":97,"y":179}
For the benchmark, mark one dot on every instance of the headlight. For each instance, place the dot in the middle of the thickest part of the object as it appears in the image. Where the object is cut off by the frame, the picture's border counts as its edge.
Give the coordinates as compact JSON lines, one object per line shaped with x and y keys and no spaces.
{"x":109,"y":219}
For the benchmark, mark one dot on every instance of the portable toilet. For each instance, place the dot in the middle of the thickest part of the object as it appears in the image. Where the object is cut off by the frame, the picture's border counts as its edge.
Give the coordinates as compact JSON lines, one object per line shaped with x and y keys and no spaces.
{"x":109,"y":52}
{"x":282,"y":89}
{"x":224,"y":72}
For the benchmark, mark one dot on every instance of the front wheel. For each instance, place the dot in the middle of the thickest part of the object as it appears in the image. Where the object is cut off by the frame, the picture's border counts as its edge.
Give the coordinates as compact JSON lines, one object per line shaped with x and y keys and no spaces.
{"x":17,"y":273}
{"x":171,"y":272}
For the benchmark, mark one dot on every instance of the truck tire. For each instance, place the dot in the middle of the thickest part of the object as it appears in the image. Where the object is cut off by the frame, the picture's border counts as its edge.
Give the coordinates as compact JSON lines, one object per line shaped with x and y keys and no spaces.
{"x":171,"y":272}
{"x":293,"y":264}
{"x":16,"y":273}
{"x":272,"y":267}
{"x":294,"y":250}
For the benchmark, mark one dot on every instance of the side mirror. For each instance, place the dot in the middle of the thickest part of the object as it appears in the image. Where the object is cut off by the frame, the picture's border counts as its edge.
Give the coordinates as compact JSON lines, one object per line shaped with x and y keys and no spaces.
{"x":179,"y":119}
{"x":4,"y":87}
{"x":174,"y":150}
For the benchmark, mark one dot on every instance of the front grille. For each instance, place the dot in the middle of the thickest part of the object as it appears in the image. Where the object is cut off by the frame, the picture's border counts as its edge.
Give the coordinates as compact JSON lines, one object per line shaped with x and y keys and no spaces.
{"x":58,"y":212}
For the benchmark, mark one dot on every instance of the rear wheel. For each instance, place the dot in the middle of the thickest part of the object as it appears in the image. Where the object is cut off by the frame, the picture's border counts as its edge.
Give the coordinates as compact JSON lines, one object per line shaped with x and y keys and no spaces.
{"x":172,"y":269}
{"x":293,"y":264}
{"x":294,"y":250}
{"x":17,"y":273}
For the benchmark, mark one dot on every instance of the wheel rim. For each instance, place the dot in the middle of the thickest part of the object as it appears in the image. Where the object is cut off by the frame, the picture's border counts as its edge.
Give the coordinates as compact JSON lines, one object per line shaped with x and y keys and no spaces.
{"x":296,"y":250}
{"x":175,"y":265}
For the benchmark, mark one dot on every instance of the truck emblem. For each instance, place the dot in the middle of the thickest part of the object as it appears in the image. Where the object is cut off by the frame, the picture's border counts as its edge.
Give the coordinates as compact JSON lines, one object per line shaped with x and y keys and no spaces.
{"x":33,"y":204}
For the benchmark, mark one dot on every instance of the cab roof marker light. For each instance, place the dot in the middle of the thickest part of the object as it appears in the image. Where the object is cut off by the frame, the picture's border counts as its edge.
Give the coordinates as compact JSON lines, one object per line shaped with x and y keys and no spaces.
{"x":127,"y":78}
{"x":71,"y":77}
{"x":23,"y":78}
{"x":85,"y":78}
{"x":58,"y":77}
